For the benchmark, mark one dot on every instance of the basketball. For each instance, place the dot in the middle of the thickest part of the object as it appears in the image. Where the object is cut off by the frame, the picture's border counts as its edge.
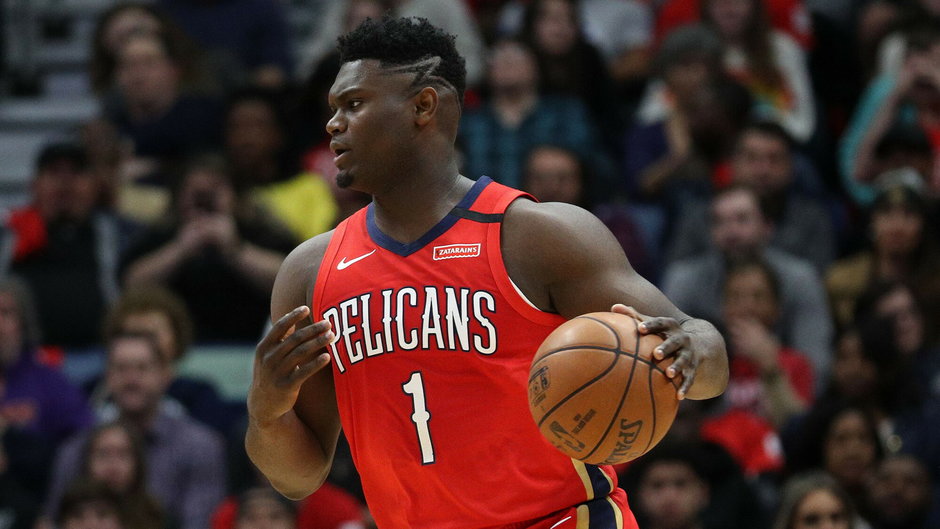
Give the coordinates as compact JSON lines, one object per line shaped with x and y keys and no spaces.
{"x":596,"y":392}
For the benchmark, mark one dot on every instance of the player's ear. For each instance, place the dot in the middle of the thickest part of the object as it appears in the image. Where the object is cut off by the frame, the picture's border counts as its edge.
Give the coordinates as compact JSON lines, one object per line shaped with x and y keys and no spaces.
{"x":425,"y":104}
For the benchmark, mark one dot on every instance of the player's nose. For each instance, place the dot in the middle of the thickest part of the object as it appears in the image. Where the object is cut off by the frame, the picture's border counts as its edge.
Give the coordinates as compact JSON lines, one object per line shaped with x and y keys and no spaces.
{"x":336,"y":124}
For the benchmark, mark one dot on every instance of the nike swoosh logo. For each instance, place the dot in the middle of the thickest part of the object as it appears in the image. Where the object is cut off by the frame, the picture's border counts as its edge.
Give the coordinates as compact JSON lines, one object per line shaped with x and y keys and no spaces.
{"x":343,"y":263}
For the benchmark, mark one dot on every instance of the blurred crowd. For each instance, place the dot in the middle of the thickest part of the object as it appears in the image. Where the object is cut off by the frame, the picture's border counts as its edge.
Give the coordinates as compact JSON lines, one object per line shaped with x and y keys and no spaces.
{"x":772,"y":165}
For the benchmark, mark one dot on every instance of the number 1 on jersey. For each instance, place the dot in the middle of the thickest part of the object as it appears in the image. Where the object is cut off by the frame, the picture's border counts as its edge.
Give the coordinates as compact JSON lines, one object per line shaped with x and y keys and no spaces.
{"x":420,"y":416}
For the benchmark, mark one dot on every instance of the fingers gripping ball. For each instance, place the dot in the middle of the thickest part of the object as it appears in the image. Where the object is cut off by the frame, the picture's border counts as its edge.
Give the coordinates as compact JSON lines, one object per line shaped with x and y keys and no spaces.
{"x":596,"y":392}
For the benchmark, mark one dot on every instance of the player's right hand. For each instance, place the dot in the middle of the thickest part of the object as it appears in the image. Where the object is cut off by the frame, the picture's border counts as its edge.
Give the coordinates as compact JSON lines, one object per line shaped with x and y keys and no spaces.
{"x":284,"y":359}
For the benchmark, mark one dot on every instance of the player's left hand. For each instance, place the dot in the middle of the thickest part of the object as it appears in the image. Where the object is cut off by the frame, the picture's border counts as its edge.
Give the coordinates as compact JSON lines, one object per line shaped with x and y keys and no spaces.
{"x":678,"y":343}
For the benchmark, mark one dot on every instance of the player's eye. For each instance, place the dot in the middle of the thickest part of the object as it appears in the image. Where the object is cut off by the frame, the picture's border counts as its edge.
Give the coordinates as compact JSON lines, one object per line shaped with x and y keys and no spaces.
{"x":355,"y":103}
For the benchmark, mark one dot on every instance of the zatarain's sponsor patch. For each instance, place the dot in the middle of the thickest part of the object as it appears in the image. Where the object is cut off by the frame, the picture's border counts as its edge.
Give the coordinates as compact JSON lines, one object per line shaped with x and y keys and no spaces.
{"x":453,"y":251}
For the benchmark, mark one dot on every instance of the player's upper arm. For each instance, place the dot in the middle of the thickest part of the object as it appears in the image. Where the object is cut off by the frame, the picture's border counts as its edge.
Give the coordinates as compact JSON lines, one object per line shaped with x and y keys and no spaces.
{"x":293,"y":287}
{"x":567,"y":261}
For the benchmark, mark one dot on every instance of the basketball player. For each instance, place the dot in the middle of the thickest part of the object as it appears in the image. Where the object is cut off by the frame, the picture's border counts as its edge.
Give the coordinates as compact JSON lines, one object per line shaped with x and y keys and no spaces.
{"x":429,"y":305}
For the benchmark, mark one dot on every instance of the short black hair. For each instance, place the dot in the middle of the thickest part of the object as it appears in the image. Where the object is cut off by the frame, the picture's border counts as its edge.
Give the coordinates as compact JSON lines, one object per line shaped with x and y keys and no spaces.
{"x":67,"y":150}
{"x":409,"y":43}
{"x":737,"y":266}
{"x":769,"y":128}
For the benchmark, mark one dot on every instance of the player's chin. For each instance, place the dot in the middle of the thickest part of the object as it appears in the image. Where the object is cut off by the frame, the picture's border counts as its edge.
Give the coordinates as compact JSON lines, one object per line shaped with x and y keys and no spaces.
{"x":343,"y":179}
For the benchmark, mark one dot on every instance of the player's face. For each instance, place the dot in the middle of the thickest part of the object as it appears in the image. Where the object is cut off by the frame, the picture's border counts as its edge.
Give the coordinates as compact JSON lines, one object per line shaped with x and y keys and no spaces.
{"x":372,"y":122}
{"x":821,"y":509}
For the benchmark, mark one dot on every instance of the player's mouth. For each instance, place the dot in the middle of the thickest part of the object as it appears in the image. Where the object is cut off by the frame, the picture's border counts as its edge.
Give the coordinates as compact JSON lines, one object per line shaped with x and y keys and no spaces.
{"x":339,"y":150}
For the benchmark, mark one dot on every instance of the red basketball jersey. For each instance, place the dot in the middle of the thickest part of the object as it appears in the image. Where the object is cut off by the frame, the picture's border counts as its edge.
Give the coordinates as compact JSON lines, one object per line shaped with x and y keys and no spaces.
{"x":431,"y":367}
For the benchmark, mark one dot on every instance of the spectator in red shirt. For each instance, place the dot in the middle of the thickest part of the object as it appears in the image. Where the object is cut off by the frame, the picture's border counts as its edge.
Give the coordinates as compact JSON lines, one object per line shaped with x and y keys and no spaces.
{"x":767,"y":378}
{"x":790,"y":16}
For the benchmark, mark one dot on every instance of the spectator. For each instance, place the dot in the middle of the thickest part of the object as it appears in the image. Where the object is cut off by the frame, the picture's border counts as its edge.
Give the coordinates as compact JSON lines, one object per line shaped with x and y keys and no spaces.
{"x":157,"y":311}
{"x":251,"y":35}
{"x":339,"y":17}
{"x":556,"y":174}
{"x":164,"y":119}
{"x":114,"y":26}
{"x":622,"y":30}
{"x":900,"y":249}
{"x":258,"y":149}
{"x":790,"y":16}
{"x":688,"y":59}
{"x":738,"y":229}
{"x":766,"y":160}
{"x":862,"y":359}
{"x":815,"y":500}
{"x":114,"y":455}
{"x":496,"y":137}
{"x":185,"y":460}
{"x":215,"y":253}
{"x":841,"y":439}
{"x":66,"y":246}
{"x":570,"y":66}
{"x":39,"y":407}
{"x":767,"y":61}
{"x":911,"y":17}
{"x":91,"y":505}
{"x":917,"y":358}
{"x":264,"y":508}
{"x":454,"y":18}
{"x":767,"y":378}
{"x":18,"y":506}
{"x":909,"y":96}
{"x":685,"y":156}
{"x":672,"y":488}
{"x":900,"y":494}
{"x":328,"y":508}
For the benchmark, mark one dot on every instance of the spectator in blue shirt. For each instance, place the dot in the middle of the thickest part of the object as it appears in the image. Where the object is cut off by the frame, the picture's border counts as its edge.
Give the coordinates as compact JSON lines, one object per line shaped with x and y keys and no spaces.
{"x":497,"y":136}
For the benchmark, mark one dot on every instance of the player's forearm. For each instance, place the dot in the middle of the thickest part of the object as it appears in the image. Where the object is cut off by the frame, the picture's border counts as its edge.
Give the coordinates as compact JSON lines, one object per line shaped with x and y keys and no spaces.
{"x":289,"y":454}
{"x":711,"y":377}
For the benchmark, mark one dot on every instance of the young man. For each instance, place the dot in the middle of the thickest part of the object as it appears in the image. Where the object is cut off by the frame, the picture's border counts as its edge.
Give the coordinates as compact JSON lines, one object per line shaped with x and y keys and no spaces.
{"x":433,"y":300}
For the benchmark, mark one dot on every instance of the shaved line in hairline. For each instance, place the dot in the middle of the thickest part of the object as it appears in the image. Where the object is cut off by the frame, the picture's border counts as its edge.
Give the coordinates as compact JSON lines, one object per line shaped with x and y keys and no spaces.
{"x":424,"y":72}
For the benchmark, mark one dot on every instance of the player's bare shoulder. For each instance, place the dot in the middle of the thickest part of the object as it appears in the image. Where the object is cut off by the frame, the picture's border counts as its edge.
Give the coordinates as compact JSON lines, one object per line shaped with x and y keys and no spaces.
{"x":556,"y":229}
{"x":294,"y":283}
{"x":547,"y":243}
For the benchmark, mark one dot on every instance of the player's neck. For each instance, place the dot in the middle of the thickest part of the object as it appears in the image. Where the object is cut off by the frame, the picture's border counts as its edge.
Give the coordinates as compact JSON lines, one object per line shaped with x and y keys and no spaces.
{"x":410,"y":209}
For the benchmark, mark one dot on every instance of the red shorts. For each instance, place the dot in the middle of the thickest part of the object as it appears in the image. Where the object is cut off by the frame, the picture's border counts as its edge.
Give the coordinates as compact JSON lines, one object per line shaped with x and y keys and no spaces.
{"x":610,"y":512}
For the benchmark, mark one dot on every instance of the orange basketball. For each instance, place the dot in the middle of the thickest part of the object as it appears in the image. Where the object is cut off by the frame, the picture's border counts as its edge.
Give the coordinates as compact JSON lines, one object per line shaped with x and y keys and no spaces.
{"x":596,"y":392}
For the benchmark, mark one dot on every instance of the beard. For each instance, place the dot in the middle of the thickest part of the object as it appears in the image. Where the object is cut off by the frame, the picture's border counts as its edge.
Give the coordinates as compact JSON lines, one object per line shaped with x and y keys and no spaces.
{"x":344,"y":180}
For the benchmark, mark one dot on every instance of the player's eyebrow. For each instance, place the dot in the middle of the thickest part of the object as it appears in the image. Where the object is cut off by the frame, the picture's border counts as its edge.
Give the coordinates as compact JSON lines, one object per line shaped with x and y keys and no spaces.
{"x":344,"y":93}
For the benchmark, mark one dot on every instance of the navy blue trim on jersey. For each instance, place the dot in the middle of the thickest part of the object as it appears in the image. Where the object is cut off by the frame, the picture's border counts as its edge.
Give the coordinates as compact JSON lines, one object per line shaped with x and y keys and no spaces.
{"x":601,"y":514}
{"x":406,"y":249}
{"x":600,"y":482}
{"x":476,"y":216}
